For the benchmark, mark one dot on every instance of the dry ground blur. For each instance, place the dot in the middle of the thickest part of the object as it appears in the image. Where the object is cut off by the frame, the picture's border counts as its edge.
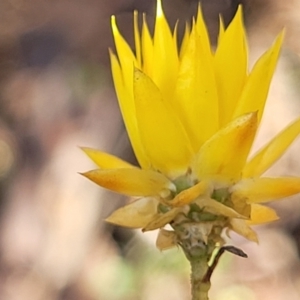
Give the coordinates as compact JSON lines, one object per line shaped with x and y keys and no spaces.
{"x":56,"y":94}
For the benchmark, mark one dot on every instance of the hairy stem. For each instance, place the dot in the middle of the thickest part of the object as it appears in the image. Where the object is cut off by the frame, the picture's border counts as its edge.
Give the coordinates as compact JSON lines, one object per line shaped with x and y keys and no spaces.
{"x":199,"y":286}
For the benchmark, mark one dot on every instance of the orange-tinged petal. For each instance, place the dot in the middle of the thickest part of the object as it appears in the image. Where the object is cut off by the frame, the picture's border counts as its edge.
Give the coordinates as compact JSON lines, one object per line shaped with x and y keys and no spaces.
{"x":215,"y":207}
{"x":241,"y":227}
{"x":196,"y":94}
{"x":166,"y":239}
{"x":231,"y":59}
{"x":163,"y":219}
{"x":188,"y":195}
{"x":259,"y":190}
{"x":224,"y":155}
{"x":165,"y":57}
{"x":255,"y":91}
{"x":134,"y":215}
{"x":131,"y":182}
{"x":261,"y":214}
{"x":270,"y":153}
{"x":104,"y":160}
{"x":162,"y":134}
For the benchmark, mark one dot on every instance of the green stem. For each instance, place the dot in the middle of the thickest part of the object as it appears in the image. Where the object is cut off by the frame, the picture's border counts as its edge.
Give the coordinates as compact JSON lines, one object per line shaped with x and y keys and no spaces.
{"x":199,"y":285}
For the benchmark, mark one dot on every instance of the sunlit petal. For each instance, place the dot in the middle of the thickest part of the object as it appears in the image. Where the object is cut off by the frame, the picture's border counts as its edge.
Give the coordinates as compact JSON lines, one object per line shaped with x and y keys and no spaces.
{"x":225,"y":154}
{"x":134,"y":215}
{"x":165,"y":62}
{"x":131,"y":182}
{"x":104,"y":160}
{"x":125,"y":55}
{"x":196,"y":94}
{"x":137,"y":39}
{"x":201,"y":30}
{"x":261,"y":214}
{"x":230,"y":62}
{"x":221,"y":29}
{"x":270,"y":153}
{"x":255,"y":91}
{"x":121,"y":66}
{"x":185,"y":40}
{"x":147,"y":48}
{"x":162,"y":134}
{"x":259,"y":190}
{"x":126,"y":102}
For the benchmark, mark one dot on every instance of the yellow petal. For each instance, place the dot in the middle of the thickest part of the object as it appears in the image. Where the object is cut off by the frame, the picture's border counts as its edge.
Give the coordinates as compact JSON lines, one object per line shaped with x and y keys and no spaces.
{"x":259,"y":190}
{"x":124,"y":52}
{"x":188,"y":195}
{"x":137,"y":39}
{"x":241,"y":206}
{"x":134,"y":215}
{"x":270,"y":153}
{"x":161,"y":132}
{"x":131,"y":182}
{"x":104,"y":160}
{"x":122,"y":71}
{"x":202,"y":30}
{"x":162,"y":220}
{"x":230,"y":62}
{"x":221,"y":29}
{"x":196,"y":94}
{"x":165,"y":57}
{"x":147,"y":49}
{"x":261,"y":214}
{"x":166,"y":239}
{"x":125,"y":55}
{"x":224,"y":155}
{"x":240,"y":226}
{"x":126,"y":102}
{"x":255,"y":91}
{"x":185,"y":40}
{"x":215,"y":207}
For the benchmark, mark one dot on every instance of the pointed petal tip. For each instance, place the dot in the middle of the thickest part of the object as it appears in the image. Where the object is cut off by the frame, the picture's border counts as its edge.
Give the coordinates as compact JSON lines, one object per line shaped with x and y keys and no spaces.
{"x":114,"y":26}
{"x":84,"y":149}
{"x":159,"y":9}
{"x":110,"y":52}
{"x":86,"y":174}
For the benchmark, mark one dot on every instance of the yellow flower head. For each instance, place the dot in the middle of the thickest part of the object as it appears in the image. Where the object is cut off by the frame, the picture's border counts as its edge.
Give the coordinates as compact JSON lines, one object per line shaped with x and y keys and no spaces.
{"x":192,"y":116}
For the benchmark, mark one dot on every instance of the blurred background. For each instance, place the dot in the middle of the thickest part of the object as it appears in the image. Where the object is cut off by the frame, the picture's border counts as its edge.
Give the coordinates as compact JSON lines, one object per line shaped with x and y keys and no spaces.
{"x":56,"y":94}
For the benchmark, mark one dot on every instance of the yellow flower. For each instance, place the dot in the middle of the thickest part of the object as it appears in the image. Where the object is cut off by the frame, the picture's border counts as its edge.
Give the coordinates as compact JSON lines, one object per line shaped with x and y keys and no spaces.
{"x":192,"y":116}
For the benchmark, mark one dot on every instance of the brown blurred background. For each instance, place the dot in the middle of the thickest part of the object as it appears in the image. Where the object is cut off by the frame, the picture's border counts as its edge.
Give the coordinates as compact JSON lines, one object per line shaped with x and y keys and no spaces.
{"x":56,"y":94}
